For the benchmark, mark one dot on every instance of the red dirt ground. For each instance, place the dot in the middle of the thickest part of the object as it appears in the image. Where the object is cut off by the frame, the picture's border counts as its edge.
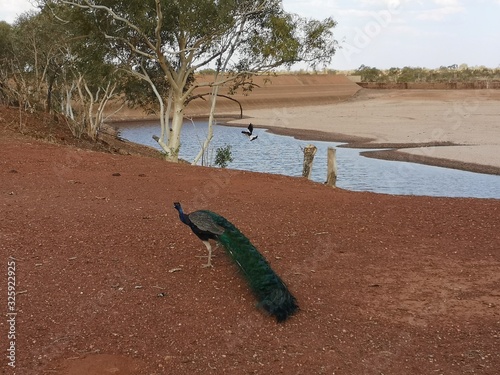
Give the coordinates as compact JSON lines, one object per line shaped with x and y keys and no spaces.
{"x":108,"y":280}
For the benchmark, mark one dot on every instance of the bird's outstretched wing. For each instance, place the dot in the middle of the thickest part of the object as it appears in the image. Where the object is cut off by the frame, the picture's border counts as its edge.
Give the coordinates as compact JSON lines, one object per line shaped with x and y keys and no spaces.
{"x":204,"y":222}
{"x":249,"y":131}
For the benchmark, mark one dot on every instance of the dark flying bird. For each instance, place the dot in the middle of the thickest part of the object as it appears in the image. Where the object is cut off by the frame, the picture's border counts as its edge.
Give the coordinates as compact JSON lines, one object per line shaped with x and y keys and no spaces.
{"x":271,"y":292}
{"x":249,"y":132}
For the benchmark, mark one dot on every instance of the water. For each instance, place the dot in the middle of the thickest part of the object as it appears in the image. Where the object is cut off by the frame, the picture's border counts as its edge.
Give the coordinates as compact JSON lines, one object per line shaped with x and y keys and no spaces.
{"x":279,"y":154}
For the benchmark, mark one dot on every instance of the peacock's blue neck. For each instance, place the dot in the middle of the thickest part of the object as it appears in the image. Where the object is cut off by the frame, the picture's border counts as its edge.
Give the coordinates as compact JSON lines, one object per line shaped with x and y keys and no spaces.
{"x":183,"y":217}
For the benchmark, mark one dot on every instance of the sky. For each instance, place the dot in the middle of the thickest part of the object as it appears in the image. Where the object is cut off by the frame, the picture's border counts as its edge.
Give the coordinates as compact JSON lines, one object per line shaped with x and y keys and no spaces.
{"x":392,"y":33}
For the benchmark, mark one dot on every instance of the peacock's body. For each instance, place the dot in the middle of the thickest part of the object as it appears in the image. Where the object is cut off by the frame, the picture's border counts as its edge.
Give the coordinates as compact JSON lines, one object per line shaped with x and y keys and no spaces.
{"x":272,"y":293}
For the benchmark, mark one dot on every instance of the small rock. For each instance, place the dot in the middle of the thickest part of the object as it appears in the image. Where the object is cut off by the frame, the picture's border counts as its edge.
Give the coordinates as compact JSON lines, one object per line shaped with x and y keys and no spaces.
{"x":116,"y":174}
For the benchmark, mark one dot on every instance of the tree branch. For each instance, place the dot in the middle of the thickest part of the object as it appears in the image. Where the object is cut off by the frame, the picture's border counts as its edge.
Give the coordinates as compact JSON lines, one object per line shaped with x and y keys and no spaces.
{"x":201,"y":96}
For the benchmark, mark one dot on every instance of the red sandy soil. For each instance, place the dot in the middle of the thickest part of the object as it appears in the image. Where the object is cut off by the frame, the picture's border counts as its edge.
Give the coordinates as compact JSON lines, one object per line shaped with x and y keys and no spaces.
{"x":108,"y":280}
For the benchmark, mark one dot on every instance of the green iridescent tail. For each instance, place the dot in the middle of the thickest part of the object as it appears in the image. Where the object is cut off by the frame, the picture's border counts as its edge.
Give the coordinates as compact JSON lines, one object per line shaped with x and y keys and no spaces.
{"x":271,"y":291}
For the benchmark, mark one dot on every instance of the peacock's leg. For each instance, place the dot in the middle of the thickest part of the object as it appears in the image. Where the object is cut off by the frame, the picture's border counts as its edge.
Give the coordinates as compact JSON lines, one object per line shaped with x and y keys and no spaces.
{"x":209,"y":248}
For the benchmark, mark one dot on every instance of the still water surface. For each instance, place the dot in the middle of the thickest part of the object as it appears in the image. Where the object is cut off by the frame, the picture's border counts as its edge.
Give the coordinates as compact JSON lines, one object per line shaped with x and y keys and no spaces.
{"x":279,"y":154}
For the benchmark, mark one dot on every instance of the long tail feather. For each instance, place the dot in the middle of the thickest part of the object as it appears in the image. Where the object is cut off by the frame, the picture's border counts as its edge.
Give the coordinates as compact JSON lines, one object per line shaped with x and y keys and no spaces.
{"x":271,"y":291}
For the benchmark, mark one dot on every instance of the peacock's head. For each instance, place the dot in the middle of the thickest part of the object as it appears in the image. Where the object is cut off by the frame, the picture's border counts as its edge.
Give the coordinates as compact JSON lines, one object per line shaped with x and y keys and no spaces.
{"x":177,"y":206}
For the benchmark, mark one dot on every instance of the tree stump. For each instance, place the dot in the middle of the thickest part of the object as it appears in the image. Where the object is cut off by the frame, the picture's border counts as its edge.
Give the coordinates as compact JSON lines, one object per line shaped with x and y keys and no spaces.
{"x":331,"y":174}
{"x":309,"y":152}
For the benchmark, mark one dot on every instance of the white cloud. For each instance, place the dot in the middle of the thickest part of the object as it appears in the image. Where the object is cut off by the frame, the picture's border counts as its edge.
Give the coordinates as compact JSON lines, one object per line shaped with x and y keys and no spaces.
{"x":452,"y":3}
{"x":438,"y":14}
{"x":11,"y":9}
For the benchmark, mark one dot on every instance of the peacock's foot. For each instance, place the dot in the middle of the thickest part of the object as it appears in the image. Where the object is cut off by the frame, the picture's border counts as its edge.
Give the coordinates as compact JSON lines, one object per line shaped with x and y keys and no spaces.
{"x":209,"y":263}
{"x":204,"y":256}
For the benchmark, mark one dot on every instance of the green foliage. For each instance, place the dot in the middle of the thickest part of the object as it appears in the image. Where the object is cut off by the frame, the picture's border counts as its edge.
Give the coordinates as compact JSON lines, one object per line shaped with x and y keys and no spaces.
{"x":43,"y":55}
{"x":452,"y":73}
{"x":5,"y":57}
{"x":197,"y":34}
{"x":368,"y":74}
{"x":32,"y":59}
{"x":223,"y":156}
{"x":5,"y":39}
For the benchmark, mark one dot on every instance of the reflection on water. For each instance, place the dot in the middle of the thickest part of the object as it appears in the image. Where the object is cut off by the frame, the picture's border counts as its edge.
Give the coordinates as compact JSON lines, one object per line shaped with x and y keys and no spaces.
{"x":272,"y":153}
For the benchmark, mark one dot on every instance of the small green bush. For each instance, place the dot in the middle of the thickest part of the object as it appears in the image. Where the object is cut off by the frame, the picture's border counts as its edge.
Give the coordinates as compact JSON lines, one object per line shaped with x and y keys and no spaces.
{"x":223,"y":156}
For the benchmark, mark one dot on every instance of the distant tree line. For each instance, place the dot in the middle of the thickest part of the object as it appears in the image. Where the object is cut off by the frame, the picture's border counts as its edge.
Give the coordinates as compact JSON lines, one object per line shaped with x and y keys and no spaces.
{"x":452,"y":73}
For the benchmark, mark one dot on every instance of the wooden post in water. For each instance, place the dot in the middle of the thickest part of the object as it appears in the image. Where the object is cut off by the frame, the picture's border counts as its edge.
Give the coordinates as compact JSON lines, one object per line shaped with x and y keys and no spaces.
{"x":331,"y":174}
{"x":309,"y":152}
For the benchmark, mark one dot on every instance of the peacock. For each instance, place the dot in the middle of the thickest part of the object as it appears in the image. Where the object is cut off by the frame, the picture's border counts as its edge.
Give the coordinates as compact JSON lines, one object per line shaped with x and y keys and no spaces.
{"x":271,"y":292}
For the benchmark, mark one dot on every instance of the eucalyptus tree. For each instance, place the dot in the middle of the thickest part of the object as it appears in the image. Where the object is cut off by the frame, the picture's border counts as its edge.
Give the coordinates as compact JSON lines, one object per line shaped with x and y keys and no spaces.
{"x":5,"y":57}
{"x":90,"y":78}
{"x":57,"y":64}
{"x":34,"y":61}
{"x":176,"y":38}
{"x":369,"y":74}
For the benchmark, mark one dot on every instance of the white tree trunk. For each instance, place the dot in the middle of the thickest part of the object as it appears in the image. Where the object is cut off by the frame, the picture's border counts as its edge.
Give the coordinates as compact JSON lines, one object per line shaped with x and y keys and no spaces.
{"x":165,"y":118}
{"x":174,"y":140}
